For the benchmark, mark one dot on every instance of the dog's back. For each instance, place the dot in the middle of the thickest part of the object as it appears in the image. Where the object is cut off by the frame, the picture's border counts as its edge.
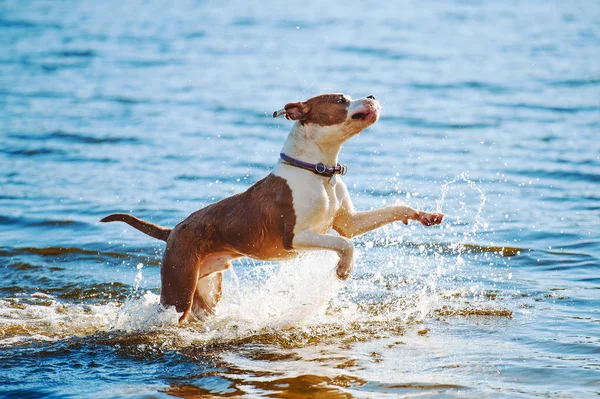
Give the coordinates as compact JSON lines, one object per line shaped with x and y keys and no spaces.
{"x":258,"y":222}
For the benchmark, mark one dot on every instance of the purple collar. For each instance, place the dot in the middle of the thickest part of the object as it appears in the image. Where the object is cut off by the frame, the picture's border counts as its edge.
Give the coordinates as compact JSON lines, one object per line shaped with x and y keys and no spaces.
{"x":319,"y":168}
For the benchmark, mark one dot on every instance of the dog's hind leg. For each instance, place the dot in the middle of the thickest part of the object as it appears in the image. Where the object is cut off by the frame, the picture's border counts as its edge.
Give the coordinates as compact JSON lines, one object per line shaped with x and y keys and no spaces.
{"x":179,"y":275}
{"x":210,"y":282}
{"x":192,"y":282}
{"x":208,"y":293}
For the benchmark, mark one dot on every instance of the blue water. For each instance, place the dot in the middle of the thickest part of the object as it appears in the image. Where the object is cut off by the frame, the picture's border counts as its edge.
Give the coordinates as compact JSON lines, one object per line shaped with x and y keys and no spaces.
{"x":491,"y":113}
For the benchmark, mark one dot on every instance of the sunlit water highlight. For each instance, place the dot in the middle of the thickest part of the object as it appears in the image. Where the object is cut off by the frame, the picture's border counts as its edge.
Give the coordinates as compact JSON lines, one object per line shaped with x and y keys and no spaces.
{"x":490,"y":115}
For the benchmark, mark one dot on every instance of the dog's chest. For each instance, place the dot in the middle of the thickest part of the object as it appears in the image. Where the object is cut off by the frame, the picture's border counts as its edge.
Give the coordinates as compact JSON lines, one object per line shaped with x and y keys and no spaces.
{"x":316,"y":201}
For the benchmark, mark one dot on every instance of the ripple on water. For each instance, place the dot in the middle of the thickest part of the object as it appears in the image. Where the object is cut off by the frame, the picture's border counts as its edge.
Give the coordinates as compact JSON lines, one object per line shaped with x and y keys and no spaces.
{"x":74,"y":138}
{"x":163,"y":108}
{"x":384,"y":53}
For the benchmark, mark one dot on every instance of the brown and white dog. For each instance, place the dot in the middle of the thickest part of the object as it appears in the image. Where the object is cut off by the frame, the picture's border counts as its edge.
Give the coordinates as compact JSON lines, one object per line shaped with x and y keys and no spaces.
{"x":291,"y":210}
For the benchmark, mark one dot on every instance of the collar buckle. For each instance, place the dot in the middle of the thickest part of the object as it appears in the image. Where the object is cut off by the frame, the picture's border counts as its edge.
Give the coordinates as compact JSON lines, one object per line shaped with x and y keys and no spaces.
{"x":320,"y":168}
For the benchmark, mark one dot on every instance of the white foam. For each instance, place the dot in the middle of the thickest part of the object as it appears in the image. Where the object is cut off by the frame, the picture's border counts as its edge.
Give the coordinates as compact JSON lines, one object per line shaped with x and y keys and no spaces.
{"x":293,"y":294}
{"x":143,"y":313}
{"x":51,"y":319}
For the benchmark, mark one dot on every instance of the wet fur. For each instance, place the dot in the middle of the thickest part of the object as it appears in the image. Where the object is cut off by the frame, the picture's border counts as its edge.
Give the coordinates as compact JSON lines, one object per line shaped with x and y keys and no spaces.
{"x":258,"y":223}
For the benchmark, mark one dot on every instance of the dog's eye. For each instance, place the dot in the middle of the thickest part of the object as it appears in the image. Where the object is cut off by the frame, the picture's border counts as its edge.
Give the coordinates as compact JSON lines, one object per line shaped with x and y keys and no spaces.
{"x":342,"y":100}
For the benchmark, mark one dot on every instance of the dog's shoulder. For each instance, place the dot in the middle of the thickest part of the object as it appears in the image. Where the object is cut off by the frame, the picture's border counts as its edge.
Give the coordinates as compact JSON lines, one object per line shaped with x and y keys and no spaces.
{"x":273,"y":187}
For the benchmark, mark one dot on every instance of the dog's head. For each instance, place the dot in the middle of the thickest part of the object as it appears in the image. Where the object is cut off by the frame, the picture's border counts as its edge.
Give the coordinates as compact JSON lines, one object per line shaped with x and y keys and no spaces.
{"x":333,"y":117}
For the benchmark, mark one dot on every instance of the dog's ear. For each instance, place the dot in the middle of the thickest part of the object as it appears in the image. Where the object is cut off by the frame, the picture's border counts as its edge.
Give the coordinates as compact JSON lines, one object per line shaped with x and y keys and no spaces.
{"x":296,"y":111}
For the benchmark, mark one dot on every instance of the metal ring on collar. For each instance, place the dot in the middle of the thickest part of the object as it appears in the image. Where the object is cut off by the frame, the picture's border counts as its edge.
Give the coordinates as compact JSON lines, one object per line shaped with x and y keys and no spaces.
{"x":320,"y":167}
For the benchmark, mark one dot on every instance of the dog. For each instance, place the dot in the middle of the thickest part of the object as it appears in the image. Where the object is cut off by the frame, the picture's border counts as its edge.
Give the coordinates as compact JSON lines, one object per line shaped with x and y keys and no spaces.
{"x":291,"y":210}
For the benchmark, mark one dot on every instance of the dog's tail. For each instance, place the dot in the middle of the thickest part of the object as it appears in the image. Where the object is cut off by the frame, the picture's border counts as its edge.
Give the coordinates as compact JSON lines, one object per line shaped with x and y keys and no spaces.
{"x":153,"y":230}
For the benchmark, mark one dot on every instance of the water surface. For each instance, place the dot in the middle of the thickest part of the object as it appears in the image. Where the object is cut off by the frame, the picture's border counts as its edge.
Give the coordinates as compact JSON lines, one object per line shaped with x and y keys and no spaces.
{"x":491,"y":113}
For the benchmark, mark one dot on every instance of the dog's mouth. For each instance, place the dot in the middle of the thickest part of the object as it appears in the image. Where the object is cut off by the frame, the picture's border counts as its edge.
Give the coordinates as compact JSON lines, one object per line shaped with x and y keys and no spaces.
{"x":360,"y":115}
{"x":367,"y":116}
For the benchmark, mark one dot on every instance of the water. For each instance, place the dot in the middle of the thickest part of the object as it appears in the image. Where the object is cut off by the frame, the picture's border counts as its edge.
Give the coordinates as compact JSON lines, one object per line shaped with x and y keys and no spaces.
{"x":491,"y":113}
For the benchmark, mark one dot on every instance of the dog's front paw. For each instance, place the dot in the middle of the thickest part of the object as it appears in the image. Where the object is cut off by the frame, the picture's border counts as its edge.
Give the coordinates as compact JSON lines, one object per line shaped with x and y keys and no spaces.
{"x":344,"y":269}
{"x":345,"y":264}
{"x":429,"y":219}
{"x":345,"y":251}
{"x":426,"y":218}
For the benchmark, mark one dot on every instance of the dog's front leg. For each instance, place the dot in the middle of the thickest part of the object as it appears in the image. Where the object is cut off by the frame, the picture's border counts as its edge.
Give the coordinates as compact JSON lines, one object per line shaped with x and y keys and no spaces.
{"x":350,"y":223}
{"x":309,"y":240}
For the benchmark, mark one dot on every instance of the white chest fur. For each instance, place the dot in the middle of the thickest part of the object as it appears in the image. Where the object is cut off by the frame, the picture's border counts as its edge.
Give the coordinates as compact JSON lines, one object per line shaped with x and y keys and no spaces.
{"x":316,"y":201}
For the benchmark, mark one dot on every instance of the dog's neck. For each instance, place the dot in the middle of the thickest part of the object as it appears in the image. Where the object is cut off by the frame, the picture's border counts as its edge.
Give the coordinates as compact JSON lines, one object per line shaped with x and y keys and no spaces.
{"x":302,"y":146}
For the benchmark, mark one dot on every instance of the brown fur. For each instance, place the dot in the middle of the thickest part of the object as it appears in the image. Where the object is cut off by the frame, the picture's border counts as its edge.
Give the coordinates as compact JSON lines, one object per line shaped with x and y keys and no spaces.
{"x":323,"y":110}
{"x":258,"y":223}
{"x":153,"y":230}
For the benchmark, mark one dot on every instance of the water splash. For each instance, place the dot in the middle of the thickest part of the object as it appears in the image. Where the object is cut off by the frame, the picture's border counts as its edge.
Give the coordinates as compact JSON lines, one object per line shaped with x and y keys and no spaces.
{"x":143,"y":313}
{"x":439,"y":263}
{"x":257,"y":300}
{"x":291,"y":302}
{"x":478,"y":224}
{"x":287,"y":295}
{"x":41,"y":317}
{"x":138,"y":277}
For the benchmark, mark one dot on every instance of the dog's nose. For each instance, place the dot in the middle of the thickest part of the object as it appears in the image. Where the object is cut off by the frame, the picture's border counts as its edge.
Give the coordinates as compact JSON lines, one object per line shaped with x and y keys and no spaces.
{"x":372,"y":97}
